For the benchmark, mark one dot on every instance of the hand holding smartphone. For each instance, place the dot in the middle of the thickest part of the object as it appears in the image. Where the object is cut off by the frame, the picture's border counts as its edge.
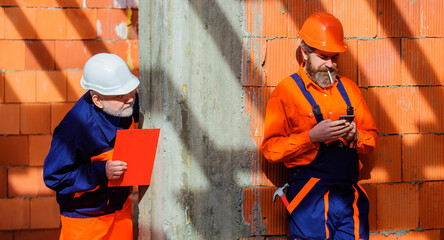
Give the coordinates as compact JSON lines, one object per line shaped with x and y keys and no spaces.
{"x":348,"y":118}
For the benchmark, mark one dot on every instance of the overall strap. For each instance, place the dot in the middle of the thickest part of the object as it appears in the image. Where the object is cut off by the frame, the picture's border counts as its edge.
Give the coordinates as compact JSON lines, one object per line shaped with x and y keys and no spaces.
{"x":309,"y":97}
{"x":350,"y":110}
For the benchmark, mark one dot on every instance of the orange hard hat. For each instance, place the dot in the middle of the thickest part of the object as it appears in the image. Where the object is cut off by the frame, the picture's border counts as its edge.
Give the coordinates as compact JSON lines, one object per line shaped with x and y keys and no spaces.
{"x":323,"y":31}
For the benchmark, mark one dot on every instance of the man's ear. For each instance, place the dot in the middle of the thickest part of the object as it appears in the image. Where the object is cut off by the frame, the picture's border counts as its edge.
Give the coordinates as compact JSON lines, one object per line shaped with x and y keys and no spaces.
{"x":97,"y":100}
{"x":304,"y":54}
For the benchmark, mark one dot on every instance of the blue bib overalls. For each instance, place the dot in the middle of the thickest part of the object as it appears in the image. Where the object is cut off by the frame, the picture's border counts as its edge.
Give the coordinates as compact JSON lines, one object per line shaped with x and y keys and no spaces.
{"x":328,"y":202}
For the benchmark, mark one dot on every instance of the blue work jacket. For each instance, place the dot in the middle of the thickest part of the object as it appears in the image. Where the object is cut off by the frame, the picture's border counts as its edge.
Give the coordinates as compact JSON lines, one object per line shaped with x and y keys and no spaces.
{"x":80,"y":183}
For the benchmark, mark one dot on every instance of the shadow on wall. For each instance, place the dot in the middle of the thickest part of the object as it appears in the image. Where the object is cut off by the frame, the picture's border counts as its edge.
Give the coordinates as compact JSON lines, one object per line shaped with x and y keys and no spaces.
{"x":188,"y":121}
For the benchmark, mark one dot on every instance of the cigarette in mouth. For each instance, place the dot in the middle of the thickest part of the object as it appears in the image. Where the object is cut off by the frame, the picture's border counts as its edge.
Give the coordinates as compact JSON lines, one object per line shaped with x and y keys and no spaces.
{"x":329,"y":75}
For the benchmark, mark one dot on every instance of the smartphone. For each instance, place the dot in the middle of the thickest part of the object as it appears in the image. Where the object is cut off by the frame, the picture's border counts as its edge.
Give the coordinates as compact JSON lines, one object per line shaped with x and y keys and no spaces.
{"x":348,"y":118}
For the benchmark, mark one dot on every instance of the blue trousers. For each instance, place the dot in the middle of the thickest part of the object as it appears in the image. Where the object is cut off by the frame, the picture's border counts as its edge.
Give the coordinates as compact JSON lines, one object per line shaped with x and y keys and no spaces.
{"x":328,"y":210}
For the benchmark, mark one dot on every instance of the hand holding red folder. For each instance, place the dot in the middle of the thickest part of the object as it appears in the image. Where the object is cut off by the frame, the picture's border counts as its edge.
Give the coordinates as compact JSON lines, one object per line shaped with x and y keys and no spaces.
{"x":136,"y":147}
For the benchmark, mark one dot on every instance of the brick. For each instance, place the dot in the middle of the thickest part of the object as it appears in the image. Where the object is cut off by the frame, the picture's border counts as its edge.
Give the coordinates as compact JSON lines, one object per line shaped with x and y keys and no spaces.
{"x":397,"y":206}
{"x":253,"y":21}
{"x":59,"y":110}
{"x":260,"y":212}
{"x":255,"y":108}
{"x":431,"y":213}
{"x":358,"y":19}
{"x":432,"y":109}
{"x":132,"y":4}
{"x":2,"y":87}
{"x":348,"y":61}
{"x":36,"y":3}
{"x":10,"y":2}
{"x":35,"y":118}
{"x":47,"y":234}
{"x":19,"y":23}
{"x":99,"y":3}
{"x":275,"y":18}
{"x":2,"y":23}
{"x":39,"y":55}
{"x":69,"y":55}
{"x":119,"y":4}
{"x":128,"y":50}
{"x":10,"y":124}
{"x":81,"y":23}
{"x":68,"y":3}
{"x":422,"y":235}
{"x":379,"y":62}
{"x":27,"y":182}
{"x":45,"y":213}
{"x":386,"y":236}
{"x":6,"y":235}
{"x":100,"y":46}
{"x":420,"y":62}
{"x":111,"y":24}
{"x":50,"y":23}
{"x":15,"y":214}
{"x":51,"y":86}
{"x":20,"y":87}
{"x":384,"y":163}
{"x":13,"y":150}
{"x":399,"y":18}
{"x":432,"y":13}
{"x":253,"y":57}
{"x":133,"y":25}
{"x":422,"y":157}
{"x":280,"y":51}
{"x":15,"y":50}
{"x":3,"y":183}
{"x":395,"y":109}
{"x":74,"y":90}
{"x":372,"y":194}
{"x":39,"y":146}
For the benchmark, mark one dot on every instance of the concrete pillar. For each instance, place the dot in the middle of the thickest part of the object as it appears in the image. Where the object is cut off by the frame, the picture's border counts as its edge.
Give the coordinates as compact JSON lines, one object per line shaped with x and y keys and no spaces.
{"x":190,"y":68}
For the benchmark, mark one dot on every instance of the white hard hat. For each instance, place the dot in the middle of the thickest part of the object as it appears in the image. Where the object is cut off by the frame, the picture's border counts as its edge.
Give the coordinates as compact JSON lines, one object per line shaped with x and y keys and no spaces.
{"x":108,"y":74}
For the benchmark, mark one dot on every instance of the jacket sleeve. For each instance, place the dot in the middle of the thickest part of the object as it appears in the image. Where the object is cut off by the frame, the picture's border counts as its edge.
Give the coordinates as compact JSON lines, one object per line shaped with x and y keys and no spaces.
{"x":280,"y":143}
{"x":68,"y":169}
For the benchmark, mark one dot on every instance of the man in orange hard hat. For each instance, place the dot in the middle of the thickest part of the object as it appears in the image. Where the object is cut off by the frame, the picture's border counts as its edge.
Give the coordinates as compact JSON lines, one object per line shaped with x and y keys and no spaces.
{"x":79,"y":162}
{"x":304,"y":129}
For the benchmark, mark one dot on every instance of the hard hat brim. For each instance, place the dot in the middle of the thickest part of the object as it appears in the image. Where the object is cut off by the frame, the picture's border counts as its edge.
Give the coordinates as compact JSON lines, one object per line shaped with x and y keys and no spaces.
{"x":133,"y":83}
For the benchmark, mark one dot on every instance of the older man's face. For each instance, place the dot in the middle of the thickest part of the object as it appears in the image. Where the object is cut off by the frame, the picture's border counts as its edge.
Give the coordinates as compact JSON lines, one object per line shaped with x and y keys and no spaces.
{"x":119,"y":105}
{"x":318,"y":64}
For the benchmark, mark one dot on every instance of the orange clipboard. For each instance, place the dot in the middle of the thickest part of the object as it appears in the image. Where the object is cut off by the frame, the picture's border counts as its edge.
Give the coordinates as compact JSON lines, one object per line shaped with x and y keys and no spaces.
{"x":136,"y":147}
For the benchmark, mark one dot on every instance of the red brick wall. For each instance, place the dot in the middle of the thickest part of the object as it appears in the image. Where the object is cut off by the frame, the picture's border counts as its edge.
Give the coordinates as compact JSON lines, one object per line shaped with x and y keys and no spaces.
{"x":395,"y":49}
{"x":44,"y":45}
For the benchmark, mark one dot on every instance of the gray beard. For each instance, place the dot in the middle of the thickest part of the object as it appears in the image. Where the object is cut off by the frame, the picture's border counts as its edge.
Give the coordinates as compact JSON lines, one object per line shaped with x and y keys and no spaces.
{"x":321,"y":77}
{"x":126,"y":112}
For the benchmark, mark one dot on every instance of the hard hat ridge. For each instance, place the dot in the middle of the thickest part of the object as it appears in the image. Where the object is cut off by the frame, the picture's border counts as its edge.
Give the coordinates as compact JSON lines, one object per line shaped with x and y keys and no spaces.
{"x":108,"y":74}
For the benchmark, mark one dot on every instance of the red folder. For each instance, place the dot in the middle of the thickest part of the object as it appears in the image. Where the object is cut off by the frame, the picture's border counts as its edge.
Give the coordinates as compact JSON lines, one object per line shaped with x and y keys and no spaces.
{"x":136,"y":147}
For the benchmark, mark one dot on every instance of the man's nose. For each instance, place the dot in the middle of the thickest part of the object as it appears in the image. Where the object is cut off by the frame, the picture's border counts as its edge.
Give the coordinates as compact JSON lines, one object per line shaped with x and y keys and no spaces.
{"x":329,"y":63}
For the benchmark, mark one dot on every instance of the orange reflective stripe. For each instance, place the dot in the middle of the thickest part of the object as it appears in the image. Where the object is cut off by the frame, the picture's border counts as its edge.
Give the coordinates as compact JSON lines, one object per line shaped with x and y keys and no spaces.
{"x":304,"y":191}
{"x":356,"y":213}
{"x":114,"y":226}
{"x":103,"y":156}
{"x":362,"y":189}
{"x":327,"y":233}
{"x":78,"y":194}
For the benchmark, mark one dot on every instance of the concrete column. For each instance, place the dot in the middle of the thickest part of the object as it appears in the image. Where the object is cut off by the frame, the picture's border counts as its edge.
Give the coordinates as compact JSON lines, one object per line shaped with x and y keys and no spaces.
{"x":190,"y":69}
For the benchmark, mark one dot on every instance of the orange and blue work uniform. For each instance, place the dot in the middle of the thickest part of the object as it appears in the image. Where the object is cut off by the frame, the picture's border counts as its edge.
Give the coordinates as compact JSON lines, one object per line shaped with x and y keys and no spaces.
{"x":75,"y":169}
{"x":326,"y":202}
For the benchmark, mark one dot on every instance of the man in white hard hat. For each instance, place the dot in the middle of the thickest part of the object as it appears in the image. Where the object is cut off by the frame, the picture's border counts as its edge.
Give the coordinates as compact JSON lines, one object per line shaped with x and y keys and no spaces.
{"x":79,"y":163}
